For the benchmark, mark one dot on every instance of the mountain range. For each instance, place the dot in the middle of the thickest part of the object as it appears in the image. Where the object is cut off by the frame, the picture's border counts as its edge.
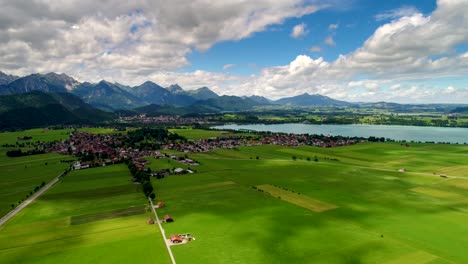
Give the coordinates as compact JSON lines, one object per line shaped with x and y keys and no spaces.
{"x":110,"y":97}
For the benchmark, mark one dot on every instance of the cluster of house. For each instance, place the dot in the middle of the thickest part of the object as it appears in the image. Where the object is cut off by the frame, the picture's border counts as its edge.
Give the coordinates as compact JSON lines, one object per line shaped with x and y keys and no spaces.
{"x":165,"y":119}
{"x":107,"y":148}
{"x":205,"y":145}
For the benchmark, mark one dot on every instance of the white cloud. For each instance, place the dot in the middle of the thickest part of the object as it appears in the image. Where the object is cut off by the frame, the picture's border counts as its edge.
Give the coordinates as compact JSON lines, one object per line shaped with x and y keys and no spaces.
{"x":299,"y":30}
{"x":333,"y":26}
{"x":397,"y":13}
{"x":131,"y":42}
{"x":127,"y":39}
{"x":315,"y":49}
{"x":228,"y":66}
{"x":330,"y":41}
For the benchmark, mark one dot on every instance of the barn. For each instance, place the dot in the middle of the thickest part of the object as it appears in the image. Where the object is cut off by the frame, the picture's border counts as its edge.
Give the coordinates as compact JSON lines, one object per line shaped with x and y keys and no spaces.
{"x":168,"y":219}
{"x":176,"y":239}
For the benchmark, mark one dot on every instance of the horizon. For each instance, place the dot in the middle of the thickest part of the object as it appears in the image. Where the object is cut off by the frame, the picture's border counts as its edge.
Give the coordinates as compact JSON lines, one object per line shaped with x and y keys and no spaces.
{"x":392,"y":52}
{"x":266,"y":97}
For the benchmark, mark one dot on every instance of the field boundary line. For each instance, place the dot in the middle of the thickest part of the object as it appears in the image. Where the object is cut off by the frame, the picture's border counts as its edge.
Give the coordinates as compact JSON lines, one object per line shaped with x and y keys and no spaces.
{"x":162,"y":232}
{"x":31,"y":199}
{"x":351,"y":165}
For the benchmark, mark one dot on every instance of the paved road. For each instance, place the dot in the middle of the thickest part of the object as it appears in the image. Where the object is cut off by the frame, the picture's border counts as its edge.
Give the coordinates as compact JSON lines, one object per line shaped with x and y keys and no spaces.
{"x":29,"y":200}
{"x":162,"y":232}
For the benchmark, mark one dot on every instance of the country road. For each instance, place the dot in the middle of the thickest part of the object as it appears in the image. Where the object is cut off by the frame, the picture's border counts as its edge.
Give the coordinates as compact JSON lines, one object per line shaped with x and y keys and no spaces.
{"x":28,"y":201}
{"x":162,"y":232}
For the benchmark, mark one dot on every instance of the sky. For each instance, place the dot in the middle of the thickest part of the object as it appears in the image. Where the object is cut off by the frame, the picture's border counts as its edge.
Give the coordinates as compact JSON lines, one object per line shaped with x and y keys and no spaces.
{"x":356,"y":50}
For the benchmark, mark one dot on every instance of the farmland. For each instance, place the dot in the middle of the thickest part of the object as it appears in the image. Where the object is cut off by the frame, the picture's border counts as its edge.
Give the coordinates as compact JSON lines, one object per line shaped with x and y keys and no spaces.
{"x":375,"y":215}
{"x":262,"y":204}
{"x":93,"y":215}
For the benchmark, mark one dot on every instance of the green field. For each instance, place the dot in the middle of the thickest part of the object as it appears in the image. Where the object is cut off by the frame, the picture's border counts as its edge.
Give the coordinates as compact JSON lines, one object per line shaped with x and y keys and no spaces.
{"x":91,"y":216}
{"x":38,"y":134}
{"x":350,"y":206}
{"x":374,"y":215}
{"x":19,"y":176}
{"x":196,"y":134}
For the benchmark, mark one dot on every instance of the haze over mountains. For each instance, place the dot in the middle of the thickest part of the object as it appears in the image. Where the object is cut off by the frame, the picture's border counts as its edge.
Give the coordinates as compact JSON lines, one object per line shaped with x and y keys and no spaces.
{"x":114,"y":96}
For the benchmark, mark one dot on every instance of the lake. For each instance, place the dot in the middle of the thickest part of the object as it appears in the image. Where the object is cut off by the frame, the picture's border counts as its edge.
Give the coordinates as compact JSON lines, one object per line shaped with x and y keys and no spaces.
{"x":408,"y":133}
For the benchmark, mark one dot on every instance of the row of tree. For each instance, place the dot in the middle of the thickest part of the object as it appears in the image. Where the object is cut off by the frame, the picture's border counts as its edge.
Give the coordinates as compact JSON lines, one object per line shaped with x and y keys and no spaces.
{"x":20,"y":153}
{"x":142,"y":177}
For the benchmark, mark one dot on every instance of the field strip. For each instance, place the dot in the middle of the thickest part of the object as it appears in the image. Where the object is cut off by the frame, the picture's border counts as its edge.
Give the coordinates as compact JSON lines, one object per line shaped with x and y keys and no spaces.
{"x":28,"y":201}
{"x":89,"y":218}
{"x":438,"y":193}
{"x":297,"y":199}
{"x":420,"y":257}
{"x":28,"y":161}
{"x":348,"y":165}
{"x":69,"y":237}
{"x":206,"y":186}
{"x":162,"y":232}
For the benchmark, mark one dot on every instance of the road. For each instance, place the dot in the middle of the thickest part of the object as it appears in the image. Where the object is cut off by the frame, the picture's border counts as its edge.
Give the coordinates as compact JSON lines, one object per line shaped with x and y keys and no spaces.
{"x":29,"y":200}
{"x":162,"y":232}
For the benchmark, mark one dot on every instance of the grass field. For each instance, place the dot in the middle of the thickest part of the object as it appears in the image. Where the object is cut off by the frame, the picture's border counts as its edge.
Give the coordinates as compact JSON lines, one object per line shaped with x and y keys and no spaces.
{"x":19,"y":176}
{"x":111,"y":227}
{"x":196,"y":134}
{"x":381,"y":215}
{"x":352,"y":206}
{"x":38,"y":134}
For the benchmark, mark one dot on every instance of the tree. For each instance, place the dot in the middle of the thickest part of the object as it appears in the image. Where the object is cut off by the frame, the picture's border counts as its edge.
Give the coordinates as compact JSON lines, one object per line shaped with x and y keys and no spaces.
{"x":152,"y":196}
{"x":294,"y":158}
{"x":147,"y":188}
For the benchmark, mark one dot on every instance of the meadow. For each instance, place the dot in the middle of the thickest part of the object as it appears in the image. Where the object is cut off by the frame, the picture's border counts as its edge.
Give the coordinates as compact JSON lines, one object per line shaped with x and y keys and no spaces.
{"x":91,"y":216}
{"x":20,"y":175}
{"x":262,"y":204}
{"x":247,"y":210}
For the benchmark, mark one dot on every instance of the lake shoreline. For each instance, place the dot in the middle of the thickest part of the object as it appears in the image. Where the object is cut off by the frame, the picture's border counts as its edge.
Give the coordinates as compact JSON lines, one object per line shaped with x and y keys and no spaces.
{"x":452,"y":135}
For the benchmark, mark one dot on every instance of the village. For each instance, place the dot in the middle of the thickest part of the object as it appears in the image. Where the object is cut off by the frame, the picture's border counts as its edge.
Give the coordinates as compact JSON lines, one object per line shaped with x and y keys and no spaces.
{"x":101,"y":150}
{"x":165,"y":119}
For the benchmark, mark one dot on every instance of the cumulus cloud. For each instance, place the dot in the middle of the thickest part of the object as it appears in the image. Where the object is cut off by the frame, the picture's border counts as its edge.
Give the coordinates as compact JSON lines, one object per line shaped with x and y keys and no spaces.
{"x":412,"y":49}
{"x":299,"y":30}
{"x":133,"y":41}
{"x":125,"y":39}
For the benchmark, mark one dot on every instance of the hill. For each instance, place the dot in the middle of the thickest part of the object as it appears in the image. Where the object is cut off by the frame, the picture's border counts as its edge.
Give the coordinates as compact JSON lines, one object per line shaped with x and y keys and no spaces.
{"x":203,"y":93}
{"x":35,"y":109}
{"x":107,"y":96}
{"x":50,"y":82}
{"x":311,"y":100}
{"x":6,"y":78}
{"x":228,"y":103}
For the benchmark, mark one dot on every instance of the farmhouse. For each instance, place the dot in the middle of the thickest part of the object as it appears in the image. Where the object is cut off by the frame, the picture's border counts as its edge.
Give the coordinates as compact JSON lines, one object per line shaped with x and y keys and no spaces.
{"x":402,"y":170}
{"x":160,"y":204}
{"x":179,"y":171}
{"x":176,"y":239}
{"x":168,"y":219}
{"x":150,"y":221}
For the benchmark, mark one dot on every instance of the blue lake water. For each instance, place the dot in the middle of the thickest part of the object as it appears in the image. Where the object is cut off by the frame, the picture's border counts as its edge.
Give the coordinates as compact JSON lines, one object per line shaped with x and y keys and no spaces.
{"x":408,"y":133}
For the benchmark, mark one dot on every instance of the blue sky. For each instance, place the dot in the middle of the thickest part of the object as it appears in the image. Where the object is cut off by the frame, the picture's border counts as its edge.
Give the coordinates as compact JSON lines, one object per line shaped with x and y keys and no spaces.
{"x":275,"y":46}
{"x":355,"y":50}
